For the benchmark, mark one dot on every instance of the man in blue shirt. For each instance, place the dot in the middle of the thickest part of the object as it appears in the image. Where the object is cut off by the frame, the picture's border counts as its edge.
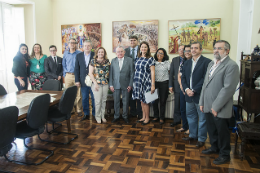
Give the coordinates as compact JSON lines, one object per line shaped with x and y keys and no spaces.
{"x":81,"y":71}
{"x":68,"y":64}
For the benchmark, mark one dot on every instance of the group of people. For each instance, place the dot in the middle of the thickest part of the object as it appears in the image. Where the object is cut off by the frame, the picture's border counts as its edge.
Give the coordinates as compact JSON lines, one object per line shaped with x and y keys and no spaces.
{"x":203,"y":89}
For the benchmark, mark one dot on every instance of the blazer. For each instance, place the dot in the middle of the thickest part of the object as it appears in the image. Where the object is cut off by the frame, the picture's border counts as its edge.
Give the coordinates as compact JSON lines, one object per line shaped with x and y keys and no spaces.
{"x":218,"y":90}
{"x":19,"y":67}
{"x":81,"y":71}
{"x":124,"y":78}
{"x":173,"y":77}
{"x":52,"y":69}
{"x":198,"y":76}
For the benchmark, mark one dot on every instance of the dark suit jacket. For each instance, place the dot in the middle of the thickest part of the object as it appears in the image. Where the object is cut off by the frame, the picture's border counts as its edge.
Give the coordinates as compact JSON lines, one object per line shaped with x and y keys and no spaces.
{"x":198,"y":76}
{"x":81,"y":71}
{"x":173,"y":78}
{"x":128,"y":52}
{"x":53,"y":70}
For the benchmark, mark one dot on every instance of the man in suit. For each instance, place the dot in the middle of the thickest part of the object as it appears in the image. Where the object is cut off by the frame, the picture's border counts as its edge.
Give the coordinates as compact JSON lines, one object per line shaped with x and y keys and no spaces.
{"x":216,"y":100}
{"x":81,"y":71}
{"x":193,"y":74}
{"x":53,"y":65}
{"x":121,"y":77}
{"x":174,"y":85}
{"x":135,"y":105}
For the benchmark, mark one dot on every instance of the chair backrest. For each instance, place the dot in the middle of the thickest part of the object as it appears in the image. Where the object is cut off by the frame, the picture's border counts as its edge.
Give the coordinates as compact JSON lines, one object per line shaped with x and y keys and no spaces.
{"x":2,"y":90}
{"x":52,"y":85}
{"x":37,"y":114}
{"x":67,"y":100}
{"x":8,"y":122}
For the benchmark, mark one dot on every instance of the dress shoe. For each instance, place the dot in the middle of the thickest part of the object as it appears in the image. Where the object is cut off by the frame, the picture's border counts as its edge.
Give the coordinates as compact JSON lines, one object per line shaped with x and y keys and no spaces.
{"x":143,"y":123}
{"x":209,"y":151}
{"x":80,"y":114}
{"x":200,"y":144}
{"x":155,"y":120}
{"x":132,"y":115}
{"x":188,"y":139}
{"x":175,"y":124}
{"x":86,"y":117}
{"x":126,"y":120}
{"x":221,"y":160}
{"x":115,"y":120}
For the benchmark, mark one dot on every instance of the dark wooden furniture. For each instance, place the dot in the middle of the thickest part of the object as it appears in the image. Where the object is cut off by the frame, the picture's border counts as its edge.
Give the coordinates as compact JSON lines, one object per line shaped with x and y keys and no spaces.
{"x":247,"y":131}
{"x":249,"y":97}
{"x":110,"y":103}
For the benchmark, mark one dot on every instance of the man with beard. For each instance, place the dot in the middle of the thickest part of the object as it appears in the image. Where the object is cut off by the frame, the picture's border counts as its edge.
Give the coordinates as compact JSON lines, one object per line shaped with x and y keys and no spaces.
{"x":216,"y":100}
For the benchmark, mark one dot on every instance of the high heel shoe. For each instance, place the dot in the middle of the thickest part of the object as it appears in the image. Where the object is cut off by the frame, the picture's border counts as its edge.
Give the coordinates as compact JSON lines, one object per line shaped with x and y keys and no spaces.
{"x":143,"y":123}
{"x":104,"y":120}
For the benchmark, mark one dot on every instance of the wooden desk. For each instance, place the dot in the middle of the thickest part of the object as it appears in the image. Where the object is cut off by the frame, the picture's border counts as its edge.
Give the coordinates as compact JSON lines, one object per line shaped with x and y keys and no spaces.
{"x":23,"y":111}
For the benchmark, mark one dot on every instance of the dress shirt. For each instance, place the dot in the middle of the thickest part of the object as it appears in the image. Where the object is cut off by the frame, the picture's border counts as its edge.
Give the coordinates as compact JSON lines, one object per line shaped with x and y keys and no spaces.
{"x":121,"y":61}
{"x":162,"y":71}
{"x":68,"y":61}
{"x":87,"y":57}
{"x":194,"y":63}
{"x":215,"y":66}
{"x":53,"y":57}
{"x":136,"y":48}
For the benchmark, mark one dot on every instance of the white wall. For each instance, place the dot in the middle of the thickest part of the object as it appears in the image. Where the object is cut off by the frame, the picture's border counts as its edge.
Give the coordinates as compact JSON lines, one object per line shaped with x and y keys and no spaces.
{"x":256,"y":25}
{"x":104,"y":11}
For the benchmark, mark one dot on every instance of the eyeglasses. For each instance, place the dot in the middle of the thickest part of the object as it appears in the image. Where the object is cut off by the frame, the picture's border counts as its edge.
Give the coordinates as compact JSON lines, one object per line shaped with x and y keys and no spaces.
{"x":73,"y":43}
{"x":53,"y":50}
{"x":160,"y":53}
{"x":186,"y":51}
{"x":181,"y":49}
{"x":218,"y":48}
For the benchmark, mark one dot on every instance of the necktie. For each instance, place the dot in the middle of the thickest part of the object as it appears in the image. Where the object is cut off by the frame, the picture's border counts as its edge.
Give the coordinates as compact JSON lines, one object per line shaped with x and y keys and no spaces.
{"x":55,"y":60}
{"x":133,"y":54}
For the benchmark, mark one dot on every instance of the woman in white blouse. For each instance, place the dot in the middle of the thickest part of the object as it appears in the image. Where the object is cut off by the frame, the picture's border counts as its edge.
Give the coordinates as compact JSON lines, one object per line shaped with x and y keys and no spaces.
{"x":162,"y":68}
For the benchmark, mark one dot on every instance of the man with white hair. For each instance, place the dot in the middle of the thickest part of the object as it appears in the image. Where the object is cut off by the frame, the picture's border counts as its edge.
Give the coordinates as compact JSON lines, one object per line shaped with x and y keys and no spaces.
{"x":121,"y":77}
{"x":216,"y":100}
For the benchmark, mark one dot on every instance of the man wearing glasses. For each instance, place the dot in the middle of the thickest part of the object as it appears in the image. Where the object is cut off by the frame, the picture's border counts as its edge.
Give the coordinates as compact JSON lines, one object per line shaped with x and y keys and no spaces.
{"x":135,"y":105}
{"x":68,"y":64}
{"x":216,"y":100}
{"x":174,"y":85}
{"x":53,"y":65}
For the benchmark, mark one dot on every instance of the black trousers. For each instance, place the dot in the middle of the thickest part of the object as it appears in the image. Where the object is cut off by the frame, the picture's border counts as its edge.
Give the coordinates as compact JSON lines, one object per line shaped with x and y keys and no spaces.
{"x":163,"y":90}
{"x":218,"y":130}
{"x":135,"y":106}
{"x":177,"y":112}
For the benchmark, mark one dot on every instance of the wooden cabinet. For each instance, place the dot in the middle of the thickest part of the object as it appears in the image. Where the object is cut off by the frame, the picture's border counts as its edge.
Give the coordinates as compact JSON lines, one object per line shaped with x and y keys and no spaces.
{"x":249,"y":97}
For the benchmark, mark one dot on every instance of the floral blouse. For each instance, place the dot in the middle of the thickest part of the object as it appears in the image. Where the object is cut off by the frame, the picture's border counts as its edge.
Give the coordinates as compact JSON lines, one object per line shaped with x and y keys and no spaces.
{"x":101,"y":71}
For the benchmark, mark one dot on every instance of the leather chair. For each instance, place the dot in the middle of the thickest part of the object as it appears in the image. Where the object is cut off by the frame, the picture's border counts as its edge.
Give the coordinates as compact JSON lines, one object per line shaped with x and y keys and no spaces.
{"x":37,"y":116}
{"x":52,"y":85}
{"x":8,"y":121}
{"x":62,"y":113}
{"x":2,"y":90}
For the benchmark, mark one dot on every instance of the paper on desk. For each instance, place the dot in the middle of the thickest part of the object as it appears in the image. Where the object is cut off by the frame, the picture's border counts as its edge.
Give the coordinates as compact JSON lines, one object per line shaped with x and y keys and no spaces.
{"x":52,"y":99}
{"x":151,"y":97}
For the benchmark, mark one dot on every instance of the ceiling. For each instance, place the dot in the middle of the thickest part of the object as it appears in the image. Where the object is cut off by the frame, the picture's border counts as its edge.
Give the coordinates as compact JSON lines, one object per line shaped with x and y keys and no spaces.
{"x":15,"y":1}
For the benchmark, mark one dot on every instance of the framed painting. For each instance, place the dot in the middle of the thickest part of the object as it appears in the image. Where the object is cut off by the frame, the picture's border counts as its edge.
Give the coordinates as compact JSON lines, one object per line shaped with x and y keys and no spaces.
{"x":183,"y":32}
{"x":81,"y":32}
{"x":145,"y":30}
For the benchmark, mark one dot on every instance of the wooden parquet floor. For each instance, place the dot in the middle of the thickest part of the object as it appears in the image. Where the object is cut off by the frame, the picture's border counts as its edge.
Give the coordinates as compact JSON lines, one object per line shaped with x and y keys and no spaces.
{"x":126,"y":148}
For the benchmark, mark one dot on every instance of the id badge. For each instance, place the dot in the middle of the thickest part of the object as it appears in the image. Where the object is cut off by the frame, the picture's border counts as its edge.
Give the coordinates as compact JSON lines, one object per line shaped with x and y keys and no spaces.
{"x":37,"y":66}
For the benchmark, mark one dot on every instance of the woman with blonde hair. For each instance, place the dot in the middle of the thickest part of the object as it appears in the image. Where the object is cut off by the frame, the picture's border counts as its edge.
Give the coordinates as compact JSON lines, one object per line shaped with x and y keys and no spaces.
{"x":37,"y":71}
{"x":99,"y":74}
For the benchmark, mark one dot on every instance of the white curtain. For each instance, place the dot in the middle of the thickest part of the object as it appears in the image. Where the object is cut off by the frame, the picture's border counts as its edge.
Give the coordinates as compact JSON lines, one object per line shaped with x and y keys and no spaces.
{"x":11,"y":36}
